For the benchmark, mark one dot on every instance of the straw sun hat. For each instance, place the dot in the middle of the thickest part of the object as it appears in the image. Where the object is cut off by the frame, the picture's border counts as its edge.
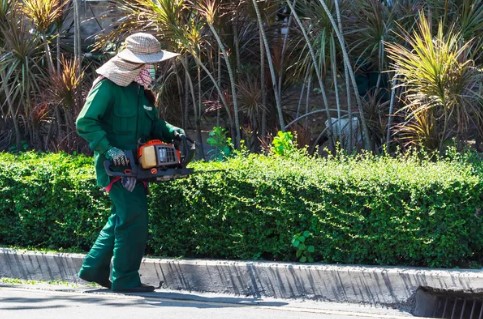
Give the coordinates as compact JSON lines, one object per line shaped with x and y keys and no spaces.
{"x":140,"y":48}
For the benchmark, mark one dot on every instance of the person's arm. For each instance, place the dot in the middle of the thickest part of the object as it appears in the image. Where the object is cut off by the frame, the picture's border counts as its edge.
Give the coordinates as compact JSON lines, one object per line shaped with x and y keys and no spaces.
{"x":88,"y":122}
{"x":165,"y":131}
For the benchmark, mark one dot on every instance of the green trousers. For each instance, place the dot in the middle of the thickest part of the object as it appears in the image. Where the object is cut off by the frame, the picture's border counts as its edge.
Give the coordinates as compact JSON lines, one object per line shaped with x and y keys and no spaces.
{"x":123,"y":239}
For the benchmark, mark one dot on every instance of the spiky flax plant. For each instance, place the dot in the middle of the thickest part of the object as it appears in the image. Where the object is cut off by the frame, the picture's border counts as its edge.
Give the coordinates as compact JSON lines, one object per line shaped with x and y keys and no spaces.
{"x":438,"y":75}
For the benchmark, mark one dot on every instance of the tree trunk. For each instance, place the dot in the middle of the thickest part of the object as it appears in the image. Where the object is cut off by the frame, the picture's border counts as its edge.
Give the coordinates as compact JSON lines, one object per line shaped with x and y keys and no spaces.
{"x":345,"y":55}
{"x":278,"y":99}
{"x":233,"y":85}
{"x":316,"y":68}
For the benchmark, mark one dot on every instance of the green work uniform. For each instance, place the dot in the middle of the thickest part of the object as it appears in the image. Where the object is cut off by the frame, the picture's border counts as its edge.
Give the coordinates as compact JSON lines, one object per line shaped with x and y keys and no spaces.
{"x":116,"y":116}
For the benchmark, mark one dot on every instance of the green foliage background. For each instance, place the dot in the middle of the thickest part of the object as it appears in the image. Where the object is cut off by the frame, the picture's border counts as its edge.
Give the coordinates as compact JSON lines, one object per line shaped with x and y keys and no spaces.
{"x":369,"y":210}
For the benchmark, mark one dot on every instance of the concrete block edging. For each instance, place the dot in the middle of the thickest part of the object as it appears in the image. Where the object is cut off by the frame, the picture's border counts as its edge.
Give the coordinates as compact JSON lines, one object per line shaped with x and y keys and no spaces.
{"x":392,"y":286}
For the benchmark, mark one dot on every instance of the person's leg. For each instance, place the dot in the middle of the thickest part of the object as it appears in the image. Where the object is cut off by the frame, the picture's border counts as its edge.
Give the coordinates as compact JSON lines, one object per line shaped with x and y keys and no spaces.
{"x":131,"y":233}
{"x":96,"y":264}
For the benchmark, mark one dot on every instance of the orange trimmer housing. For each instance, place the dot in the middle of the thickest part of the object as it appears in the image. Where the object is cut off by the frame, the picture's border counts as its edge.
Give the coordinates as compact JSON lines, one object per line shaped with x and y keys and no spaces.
{"x":156,"y":153}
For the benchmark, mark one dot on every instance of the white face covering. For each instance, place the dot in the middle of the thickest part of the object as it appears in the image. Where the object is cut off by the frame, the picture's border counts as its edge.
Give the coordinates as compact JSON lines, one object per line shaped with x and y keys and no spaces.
{"x":146,"y":76}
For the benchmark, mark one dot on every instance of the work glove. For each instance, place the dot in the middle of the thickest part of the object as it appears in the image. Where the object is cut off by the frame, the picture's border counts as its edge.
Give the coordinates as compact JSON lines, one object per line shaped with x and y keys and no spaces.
{"x":179,"y":132}
{"x":128,"y":182}
{"x":117,"y":156}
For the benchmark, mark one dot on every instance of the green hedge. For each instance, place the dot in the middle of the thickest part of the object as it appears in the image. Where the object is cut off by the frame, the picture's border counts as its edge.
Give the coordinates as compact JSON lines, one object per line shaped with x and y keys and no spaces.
{"x":369,"y":210}
{"x":49,"y":201}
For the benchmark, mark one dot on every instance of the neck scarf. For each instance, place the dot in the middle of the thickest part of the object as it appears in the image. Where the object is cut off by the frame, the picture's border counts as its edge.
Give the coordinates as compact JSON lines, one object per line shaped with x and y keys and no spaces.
{"x":119,"y":71}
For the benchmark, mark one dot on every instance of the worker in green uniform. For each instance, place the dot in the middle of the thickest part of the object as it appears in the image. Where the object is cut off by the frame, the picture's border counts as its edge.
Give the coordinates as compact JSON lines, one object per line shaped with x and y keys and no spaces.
{"x":118,"y":113}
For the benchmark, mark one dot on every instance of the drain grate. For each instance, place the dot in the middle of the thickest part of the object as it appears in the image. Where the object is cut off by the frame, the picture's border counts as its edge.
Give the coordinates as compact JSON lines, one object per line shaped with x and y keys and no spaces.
{"x":455,"y":308}
{"x":448,"y":304}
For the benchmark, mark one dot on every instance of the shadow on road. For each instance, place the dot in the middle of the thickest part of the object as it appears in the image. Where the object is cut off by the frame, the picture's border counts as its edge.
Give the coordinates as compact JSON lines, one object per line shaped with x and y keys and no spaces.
{"x":28,"y":298}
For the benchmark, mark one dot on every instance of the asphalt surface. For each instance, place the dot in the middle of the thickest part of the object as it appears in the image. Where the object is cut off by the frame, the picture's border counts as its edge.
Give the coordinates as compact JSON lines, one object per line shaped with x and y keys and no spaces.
{"x":44,"y":301}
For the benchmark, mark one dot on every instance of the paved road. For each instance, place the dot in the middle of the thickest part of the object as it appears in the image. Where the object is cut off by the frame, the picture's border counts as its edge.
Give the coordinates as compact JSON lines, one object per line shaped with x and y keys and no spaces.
{"x":52,"y":302}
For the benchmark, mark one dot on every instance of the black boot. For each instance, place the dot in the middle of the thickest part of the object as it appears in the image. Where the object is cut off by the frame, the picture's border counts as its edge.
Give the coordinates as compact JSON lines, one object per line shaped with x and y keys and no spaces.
{"x":104,"y":283}
{"x":142,"y":288}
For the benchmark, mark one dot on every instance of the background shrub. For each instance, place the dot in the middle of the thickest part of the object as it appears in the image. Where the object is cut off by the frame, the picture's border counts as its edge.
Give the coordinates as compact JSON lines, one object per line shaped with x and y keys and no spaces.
{"x":366,"y":209}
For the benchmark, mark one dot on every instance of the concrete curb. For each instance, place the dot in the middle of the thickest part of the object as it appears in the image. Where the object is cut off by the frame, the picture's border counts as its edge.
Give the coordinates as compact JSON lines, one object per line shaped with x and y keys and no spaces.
{"x":392,"y":286}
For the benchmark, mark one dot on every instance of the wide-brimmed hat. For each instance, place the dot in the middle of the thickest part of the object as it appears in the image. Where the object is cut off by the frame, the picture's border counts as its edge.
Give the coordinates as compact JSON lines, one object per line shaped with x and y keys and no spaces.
{"x":144,"y":48}
{"x":140,"y":48}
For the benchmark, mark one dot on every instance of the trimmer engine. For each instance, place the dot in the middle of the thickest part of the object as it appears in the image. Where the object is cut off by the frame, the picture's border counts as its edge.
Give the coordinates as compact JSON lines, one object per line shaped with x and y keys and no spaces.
{"x":156,"y":153}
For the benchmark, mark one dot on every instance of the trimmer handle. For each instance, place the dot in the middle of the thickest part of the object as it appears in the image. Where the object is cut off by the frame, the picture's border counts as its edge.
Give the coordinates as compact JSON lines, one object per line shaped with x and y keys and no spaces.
{"x":128,"y":171}
{"x":188,"y":149}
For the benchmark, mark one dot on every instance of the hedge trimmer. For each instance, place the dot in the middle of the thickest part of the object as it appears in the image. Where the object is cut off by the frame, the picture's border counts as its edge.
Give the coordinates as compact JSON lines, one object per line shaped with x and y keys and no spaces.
{"x":156,"y":161}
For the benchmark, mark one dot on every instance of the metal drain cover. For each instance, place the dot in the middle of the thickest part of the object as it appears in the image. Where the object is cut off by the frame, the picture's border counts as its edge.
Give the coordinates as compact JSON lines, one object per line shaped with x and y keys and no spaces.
{"x":447,"y":304}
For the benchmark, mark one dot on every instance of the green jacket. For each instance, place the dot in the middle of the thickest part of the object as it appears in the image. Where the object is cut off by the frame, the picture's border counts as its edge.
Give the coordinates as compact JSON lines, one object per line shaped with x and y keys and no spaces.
{"x":115,"y":116}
